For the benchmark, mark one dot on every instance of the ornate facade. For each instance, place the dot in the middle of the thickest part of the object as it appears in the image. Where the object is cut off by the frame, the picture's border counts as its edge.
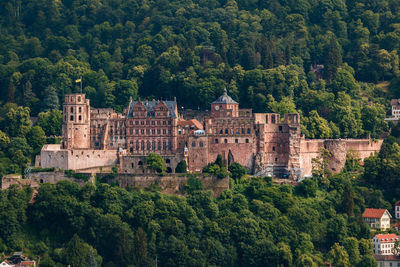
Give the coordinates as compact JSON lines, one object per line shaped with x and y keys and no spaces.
{"x":262,"y":142}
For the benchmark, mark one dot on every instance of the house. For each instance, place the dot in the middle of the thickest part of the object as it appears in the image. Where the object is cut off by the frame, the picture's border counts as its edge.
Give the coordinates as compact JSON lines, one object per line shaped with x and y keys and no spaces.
{"x":387,"y":260}
{"x":384,"y":243}
{"x":18,"y":260}
{"x":377,"y":218}
{"x":397,"y":210}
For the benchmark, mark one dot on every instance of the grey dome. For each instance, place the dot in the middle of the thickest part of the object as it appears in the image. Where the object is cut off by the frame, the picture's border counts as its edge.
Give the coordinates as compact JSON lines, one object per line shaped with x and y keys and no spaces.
{"x":224,"y":99}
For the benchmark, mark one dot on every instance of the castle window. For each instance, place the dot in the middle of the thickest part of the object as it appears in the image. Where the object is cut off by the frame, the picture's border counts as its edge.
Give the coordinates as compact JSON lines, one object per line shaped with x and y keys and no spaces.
{"x":273,"y":148}
{"x":276,"y":159}
{"x":140,"y":163}
{"x":200,"y":144}
{"x":80,"y":109}
{"x":137,"y":145}
{"x":147,"y":123}
{"x":148,"y":145}
{"x":193,"y":144}
{"x":164,"y":123}
{"x":169,"y":122}
{"x":130,"y":122}
{"x":164,"y":131}
{"x":80,"y":117}
{"x":158,"y":131}
{"x":71,"y":118}
{"x":247,"y":140}
{"x":137,"y":131}
{"x":248,"y":130}
{"x":137,"y":122}
{"x":266,"y":119}
{"x":153,"y":131}
{"x":72,"y":109}
{"x":216,"y":141}
{"x":164,"y":145}
{"x":131,"y":131}
{"x":153,"y":145}
{"x":131,"y":142}
{"x":236,"y":141}
{"x":142,"y":122}
{"x":221,"y":132}
{"x":132,"y":165}
{"x":152,"y":122}
{"x":225,"y":141}
{"x":159,"y":145}
{"x":273,"y":119}
{"x":142,"y":145}
{"x":226,"y":131}
{"x":158,"y":122}
{"x":142,"y":131}
{"x":79,"y":99}
{"x":179,"y":131}
{"x":147,"y":131}
{"x":242,"y":130}
{"x":167,"y":161}
{"x":169,"y":132}
{"x":169,"y":145}
{"x":280,"y":128}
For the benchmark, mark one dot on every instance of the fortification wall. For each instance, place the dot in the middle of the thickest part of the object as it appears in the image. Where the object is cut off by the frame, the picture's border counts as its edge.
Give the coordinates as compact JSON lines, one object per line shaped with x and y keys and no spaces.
{"x":54,"y":156}
{"x":35,"y":179}
{"x":338,"y":148}
{"x":170,"y":184}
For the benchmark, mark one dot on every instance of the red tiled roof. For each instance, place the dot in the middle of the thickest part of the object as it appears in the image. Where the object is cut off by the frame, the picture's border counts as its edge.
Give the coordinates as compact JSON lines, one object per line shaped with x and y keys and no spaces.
{"x":386,"y":257}
{"x":373,"y":213}
{"x":397,"y":203}
{"x":386,"y":238}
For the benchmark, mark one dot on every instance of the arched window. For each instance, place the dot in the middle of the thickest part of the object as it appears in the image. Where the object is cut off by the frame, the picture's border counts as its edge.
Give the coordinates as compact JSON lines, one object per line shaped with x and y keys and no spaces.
{"x":137,"y":145}
{"x":148,"y":145}
{"x":201,"y":144}
{"x":167,"y":161}
{"x":225,"y":141}
{"x":72,"y":109}
{"x":226,"y":131}
{"x":159,"y":145}
{"x":142,"y":145}
{"x":221,"y":132}
{"x":247,"y":140}
{"x":132,"y":165}
{"x":248,"y":130}
{"x":153,"y":145}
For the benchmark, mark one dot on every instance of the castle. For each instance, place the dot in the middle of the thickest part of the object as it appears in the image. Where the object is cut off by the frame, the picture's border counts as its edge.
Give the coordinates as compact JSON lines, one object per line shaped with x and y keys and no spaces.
{"x":95,"y":139}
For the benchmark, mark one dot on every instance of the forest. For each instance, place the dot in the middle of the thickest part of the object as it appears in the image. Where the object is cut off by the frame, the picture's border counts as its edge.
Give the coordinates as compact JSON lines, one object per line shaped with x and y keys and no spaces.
{"x":335,"y":62}
{"x":254,"y":223}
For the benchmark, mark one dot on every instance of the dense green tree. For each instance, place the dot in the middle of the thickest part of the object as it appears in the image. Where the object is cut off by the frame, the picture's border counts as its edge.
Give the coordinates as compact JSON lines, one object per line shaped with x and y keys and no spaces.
{"x":237,"y":171}
{"x":51,"y":122}
{"x":36,"y":139}
{"x":181,"y":167}
{"x":155,"y":162}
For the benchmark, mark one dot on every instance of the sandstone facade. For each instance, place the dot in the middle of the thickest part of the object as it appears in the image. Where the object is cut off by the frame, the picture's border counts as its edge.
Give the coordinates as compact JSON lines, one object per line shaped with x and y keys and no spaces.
{"x":263,"y":143}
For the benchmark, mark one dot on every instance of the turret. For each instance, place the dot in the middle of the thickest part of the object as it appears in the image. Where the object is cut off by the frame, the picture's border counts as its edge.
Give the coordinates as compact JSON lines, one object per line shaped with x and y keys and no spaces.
{"x":76,"y":122}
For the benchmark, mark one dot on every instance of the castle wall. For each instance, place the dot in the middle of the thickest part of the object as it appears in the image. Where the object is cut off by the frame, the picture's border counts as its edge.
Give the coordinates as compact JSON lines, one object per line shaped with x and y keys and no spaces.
{"x":309,"y":149}
{"x":136,"y":164}
{"x":75,"y":159}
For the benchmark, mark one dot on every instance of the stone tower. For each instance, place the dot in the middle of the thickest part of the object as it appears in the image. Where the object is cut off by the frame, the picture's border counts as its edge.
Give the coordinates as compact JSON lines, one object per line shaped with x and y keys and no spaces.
{"x":76,"y":122}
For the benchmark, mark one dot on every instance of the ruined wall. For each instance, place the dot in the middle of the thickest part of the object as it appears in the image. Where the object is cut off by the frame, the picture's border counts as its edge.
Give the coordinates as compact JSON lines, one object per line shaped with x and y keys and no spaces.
{"x":136,"y":164}
{"x":198,"y":155}
{"x":171,"y":184}
{"x":35,"y":179}
{"x":338,"y":149}
{"x":53,"y":156}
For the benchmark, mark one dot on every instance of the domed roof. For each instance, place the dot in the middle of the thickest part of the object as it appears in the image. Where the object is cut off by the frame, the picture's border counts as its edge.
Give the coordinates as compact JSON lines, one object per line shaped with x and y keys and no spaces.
{"x":224,"y":99}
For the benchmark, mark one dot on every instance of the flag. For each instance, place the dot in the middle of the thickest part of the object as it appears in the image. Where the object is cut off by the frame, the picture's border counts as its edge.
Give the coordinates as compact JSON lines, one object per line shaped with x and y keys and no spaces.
{"x":78,"y":80}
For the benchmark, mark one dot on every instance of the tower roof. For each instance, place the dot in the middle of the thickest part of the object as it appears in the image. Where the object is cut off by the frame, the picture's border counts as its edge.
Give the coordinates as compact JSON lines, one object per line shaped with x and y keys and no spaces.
{"x":224,"y":99}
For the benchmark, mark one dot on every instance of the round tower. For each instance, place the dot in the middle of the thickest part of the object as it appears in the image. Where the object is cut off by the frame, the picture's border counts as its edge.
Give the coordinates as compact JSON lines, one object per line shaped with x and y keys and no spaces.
{"x":76,"y":122}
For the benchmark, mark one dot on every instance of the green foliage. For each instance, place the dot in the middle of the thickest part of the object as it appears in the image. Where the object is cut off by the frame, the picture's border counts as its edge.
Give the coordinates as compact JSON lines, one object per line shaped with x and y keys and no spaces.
{"x":155,"y":162}
{"x":181,"y":167}
{"x":308,"y":188}
{"x":51,"y":122}
{"x":193,"y":184}
{"x":237,"y":171}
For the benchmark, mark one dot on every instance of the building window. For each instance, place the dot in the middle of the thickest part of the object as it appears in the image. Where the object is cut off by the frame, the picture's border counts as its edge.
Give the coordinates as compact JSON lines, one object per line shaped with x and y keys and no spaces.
{"x":142,"y":145}
{"x":276,"y":159}
{"x":164,"y":131}
{"x":221,"y":132}
{"x":72,"y":109}
{"x":248,"y":130}
{"x":167,"y":161}
{"x":273,"y":148}
{"x":169,"y":122}
{"x":226,"y":131}
{"x":164,"y":145}
{"x":216,"y":141}
{"x":130,"y":122}
{"x":247,"y":140}
{"x":131,"y":131}
{"x":193,"y":144}
{"x":140,"y":163}
{"x":131,"y":150}
{"x":242,"y":130}
{"x":71,"y":118}
{"x":280,"y":128}
{"x":80,"y":117}
{"x":236,"y":141}
{"x":159,"y":145}
{"x":200,"y":144}
{"x":136,"y":131}
{"x":153,"y":145}
{"x":136,"y":122}
{"x":147,"y":131}
{"x":148,"y":145}
{"x":225,"y":141}
{"x":153,"y":131}
{"x":158,"y":131}
{"x":142,"y":122}
{"x":164,"y":123}
{"x":142,"y":131}
{"x":152,"y":123}
{"x":179,"y":131}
